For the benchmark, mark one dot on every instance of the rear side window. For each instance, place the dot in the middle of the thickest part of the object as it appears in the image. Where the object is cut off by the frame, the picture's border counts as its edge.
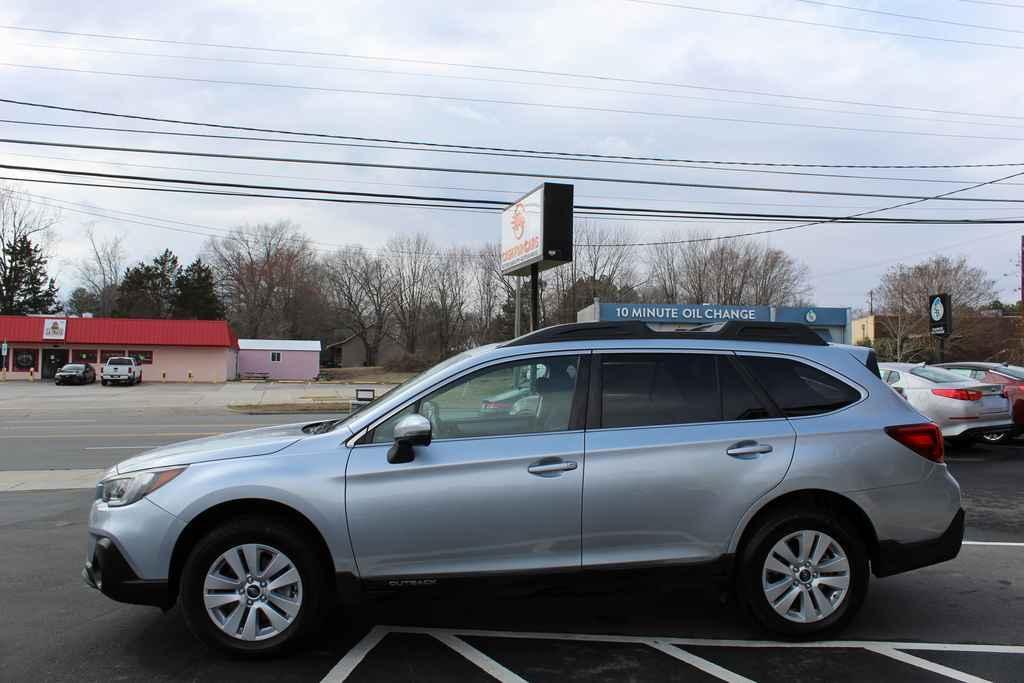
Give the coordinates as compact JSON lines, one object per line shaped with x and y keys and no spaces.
{"x":799,"y":389}
{"x":661,"y":389}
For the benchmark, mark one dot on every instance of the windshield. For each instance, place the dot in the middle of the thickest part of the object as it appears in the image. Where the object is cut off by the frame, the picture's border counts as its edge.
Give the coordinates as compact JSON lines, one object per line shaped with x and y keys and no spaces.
{"x":72,"y":368}
{"x":937,"y":375}
{"x":415,"y":378}
{"x":119,"y":361}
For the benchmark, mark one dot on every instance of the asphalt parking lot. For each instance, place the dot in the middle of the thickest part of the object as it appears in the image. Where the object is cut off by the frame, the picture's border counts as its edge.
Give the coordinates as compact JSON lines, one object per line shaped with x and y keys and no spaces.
{"x":960,"y":620}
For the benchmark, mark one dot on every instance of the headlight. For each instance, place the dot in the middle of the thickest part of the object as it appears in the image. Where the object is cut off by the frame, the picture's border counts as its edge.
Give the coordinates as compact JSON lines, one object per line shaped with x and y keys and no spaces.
{"x":120,"y":491}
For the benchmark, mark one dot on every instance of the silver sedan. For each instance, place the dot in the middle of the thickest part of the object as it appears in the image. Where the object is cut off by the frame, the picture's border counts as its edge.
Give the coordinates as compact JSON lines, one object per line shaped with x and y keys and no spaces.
{"x":964,"y":409}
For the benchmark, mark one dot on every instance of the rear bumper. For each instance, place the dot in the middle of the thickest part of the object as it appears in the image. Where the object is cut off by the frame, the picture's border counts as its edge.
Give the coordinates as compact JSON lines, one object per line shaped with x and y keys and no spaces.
{"x":973,"y":432}
{"x":895,"y":557}
{"x":108,"y":572}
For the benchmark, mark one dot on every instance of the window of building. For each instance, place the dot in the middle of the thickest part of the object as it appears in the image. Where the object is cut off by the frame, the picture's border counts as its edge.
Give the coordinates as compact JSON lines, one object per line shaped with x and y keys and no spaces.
{"x":106,"y":354}
{"x":23,"y":360}
{"x":525,"y":397}
{"x":799,"y":389}
{"x":275,"y":356}
{"x":649,"y":389}
{"x":142,"y":357}
{"x":84,"y":355}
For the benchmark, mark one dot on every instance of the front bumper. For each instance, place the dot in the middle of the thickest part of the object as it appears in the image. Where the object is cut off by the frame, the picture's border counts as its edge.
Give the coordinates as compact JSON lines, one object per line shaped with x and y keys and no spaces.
{"x":895,"y":557}
{"x":107,"y":571}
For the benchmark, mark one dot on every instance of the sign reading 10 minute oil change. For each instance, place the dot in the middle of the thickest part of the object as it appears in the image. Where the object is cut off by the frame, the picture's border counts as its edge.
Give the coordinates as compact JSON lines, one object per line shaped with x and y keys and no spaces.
{"x":537,"y":229}
{"x":940,"y":315}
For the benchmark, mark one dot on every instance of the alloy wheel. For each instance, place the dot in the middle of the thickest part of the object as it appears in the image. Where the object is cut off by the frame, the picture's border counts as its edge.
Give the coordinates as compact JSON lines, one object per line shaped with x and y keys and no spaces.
{"x":806,"y":576}
{"x":253,"y":592}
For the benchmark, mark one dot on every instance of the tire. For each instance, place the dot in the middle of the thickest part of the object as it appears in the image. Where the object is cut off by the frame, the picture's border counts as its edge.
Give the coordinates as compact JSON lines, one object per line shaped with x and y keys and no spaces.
{"x":313,"y":592}
{"x":104,"y":382}
{"x":755,"y":580}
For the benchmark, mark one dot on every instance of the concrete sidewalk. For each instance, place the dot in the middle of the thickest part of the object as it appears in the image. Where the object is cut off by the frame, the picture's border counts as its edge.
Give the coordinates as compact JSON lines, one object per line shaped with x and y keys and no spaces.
{"x":27,"y":399}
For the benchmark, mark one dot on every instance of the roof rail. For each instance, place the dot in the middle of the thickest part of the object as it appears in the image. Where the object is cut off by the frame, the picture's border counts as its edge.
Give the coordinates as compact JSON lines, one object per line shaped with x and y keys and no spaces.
{"x":736,"y":330}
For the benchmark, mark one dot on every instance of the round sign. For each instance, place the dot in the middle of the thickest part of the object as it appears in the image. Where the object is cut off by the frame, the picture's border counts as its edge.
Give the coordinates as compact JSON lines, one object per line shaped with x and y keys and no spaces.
{"x":937,"y":309}
{"x":25,"y":360}
{"x":810,"y":316}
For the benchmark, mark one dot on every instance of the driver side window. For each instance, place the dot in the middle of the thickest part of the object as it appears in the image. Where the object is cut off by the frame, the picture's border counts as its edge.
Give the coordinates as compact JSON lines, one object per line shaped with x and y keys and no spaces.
{"x":523,"y":397}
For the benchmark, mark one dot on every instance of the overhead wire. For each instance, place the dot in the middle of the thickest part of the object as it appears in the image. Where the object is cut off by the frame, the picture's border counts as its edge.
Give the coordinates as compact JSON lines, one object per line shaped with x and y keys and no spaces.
{"x":506,"y":102}
{"x":207,"y":124}
{"x":914,"y":17}
{"x":472,"y":171}
{"x":389,"y":147}
{"x":804,"y":22}
{"x":504,"y":81}
{"x":498,"y":68}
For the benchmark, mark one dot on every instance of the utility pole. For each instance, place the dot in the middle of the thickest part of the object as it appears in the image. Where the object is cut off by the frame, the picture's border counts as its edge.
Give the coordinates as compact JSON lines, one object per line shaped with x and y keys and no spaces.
{"x":515,"y":327}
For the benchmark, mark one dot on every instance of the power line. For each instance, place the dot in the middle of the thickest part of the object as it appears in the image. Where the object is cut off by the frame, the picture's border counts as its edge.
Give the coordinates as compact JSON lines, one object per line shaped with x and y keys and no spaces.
{"x":494,"y":205}
{"x":471,"y":171}
{"x":533,"y":84}
{"x":207,"y":124}
{"x":515,"y":193}
{"x":808,"y":225}
{"x":910,"y":16}
{"x":844,"y":176}
{"x":515,"y":103}
{"x":803,"y":22}
{"x":994,"y":3}
{"x":508,"y":69}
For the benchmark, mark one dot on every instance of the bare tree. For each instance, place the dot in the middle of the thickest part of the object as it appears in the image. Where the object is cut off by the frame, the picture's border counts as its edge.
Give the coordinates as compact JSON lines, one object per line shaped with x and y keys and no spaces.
{"x":101,"y":271}
{"x":413,"y":259}
{"x":697,"y":268}
{"x":264,"y":275}
{"x":450,"y":299}
{"x":20,"y":218}
{"x":361,"y":290}
{"x":489,"y":291}
{"x":901,"y":299}
{"x":25,"y":286}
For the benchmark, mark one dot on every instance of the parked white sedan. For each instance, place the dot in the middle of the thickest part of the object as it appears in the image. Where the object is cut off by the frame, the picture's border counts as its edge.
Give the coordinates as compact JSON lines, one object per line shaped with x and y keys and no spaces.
{"x":963,"y":408}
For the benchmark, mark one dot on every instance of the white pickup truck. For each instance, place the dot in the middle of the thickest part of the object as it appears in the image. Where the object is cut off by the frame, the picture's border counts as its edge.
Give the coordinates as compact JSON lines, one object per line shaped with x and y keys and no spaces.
{"x":121,"y":370}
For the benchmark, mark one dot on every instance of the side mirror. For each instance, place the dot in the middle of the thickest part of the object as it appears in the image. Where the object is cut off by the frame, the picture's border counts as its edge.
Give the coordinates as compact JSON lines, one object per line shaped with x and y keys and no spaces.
{"x":411,"y":430}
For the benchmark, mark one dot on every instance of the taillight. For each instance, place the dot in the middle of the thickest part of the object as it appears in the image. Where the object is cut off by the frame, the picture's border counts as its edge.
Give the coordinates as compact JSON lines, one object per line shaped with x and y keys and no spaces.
{"x":958,"y":394}
{"x":924,"y":439}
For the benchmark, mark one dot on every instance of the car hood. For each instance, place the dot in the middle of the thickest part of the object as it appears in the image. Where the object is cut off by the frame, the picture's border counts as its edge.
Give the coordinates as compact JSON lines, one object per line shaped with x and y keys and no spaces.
{"x":262,"y":441}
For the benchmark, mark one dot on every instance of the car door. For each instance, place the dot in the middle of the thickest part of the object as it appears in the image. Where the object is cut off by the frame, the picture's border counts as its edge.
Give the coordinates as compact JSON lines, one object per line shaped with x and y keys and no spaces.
{"x":498,"y":489}
{"x":679,"y":446}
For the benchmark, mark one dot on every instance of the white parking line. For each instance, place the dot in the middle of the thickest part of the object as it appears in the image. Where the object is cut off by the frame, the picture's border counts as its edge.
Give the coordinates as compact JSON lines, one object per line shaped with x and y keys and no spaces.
{"x":696,"y":662}
{"x":354,"y":656}
{"x":479,"y":658}
{"x":48,"y":480}
{"x":927,"y":665}
{"x":115,"y":448}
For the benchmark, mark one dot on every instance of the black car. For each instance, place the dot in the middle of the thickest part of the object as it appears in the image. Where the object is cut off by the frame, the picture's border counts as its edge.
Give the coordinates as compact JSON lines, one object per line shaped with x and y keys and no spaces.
{"x":75,"y":373}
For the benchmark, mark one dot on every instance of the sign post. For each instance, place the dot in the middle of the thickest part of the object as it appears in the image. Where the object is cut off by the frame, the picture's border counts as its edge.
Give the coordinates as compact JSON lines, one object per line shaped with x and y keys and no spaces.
{"x":536,"y":234}
{"x":3,"y":360}
{"x":940,"y":318}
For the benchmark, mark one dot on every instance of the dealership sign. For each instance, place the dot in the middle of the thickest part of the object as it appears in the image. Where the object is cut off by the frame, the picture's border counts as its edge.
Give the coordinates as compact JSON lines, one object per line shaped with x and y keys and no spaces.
{"x":537,"y":230}
{"x":940,"y":315}
{"x":54,"y":329}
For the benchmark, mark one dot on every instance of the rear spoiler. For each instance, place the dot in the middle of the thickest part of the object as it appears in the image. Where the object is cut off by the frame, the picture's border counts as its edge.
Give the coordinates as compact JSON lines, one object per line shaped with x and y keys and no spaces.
{"x":865,"y":355}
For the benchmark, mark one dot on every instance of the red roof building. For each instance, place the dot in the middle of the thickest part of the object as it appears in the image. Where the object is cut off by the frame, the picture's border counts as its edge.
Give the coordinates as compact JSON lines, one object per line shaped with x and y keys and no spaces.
{"x":169,"y":350}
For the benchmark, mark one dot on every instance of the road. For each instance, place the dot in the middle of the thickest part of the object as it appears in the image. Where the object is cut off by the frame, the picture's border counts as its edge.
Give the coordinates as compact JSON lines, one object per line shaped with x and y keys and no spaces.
{"x":54,"y":628}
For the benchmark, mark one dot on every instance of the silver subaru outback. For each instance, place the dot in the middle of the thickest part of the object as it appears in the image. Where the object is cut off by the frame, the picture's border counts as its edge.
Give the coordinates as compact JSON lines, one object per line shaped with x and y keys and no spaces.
{"x":758,"y":450}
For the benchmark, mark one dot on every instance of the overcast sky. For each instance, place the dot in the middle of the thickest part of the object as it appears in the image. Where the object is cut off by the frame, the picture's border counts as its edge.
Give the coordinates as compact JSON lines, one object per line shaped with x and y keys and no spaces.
{"x":618,"y":38}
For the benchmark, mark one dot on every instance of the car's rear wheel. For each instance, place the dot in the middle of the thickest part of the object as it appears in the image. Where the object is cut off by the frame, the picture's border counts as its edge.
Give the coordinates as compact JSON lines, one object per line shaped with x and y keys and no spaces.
{"x":254,"y":586}
{"x":803,"y":572}
{"x":104,"y":382}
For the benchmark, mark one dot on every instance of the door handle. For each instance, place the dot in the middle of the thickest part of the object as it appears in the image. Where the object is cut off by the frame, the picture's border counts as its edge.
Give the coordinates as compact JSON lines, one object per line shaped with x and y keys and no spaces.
{"x":547,"y":468}
{"x":746,"y":449}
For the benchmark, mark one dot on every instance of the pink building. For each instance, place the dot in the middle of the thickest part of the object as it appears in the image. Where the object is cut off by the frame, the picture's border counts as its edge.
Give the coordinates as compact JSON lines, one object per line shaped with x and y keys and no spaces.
{"x":278,"y":359}
{"x":169,"y":350}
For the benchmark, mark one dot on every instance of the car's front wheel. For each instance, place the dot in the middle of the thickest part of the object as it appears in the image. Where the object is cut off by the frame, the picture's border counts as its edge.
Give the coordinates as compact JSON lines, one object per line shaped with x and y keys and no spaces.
{"x":254,"y":586}
{"x":803,"y":572}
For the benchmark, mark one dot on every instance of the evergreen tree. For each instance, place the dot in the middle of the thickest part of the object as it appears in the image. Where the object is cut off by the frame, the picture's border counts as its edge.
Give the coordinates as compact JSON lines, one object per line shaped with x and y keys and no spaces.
{"x":148,"y":290}
{"x":195,"y":295}
{"x":24,"y":285}
{"x":82,"y":301}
